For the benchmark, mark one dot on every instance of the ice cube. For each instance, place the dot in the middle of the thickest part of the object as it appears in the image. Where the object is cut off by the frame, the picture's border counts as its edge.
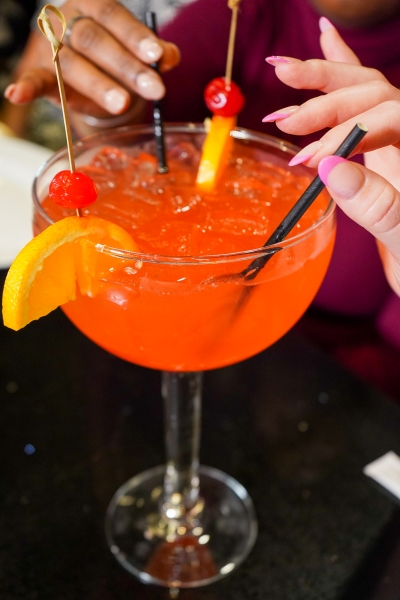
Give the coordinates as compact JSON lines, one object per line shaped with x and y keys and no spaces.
{"x":185,"y":154}
{"x":111,"y":159}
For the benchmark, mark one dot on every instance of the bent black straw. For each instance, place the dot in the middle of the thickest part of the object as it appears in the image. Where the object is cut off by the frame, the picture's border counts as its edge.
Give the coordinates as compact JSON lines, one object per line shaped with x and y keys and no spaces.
{"x":303,"y":203}
{"x":157,"y":110}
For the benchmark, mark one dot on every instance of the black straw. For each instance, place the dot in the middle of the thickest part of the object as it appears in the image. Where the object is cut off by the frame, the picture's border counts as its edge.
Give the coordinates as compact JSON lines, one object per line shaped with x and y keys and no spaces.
{"x":151,"y":23}
{"x":302,"y":204}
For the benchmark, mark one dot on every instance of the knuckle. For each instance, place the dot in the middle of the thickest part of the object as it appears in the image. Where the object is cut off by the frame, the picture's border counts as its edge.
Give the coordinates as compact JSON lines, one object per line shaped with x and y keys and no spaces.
{"x":377,"y":76}
{"x":381,"y":89}
{"x":319,"y":75}
{"x":384,"y":214}
{"x":89,"y":35}
{"x":107,"y":9}
{"x":392,"y":108}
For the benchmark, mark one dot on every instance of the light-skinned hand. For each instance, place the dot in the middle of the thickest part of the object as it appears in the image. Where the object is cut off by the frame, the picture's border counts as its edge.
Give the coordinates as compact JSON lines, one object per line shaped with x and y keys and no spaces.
{"x":369,"y":195}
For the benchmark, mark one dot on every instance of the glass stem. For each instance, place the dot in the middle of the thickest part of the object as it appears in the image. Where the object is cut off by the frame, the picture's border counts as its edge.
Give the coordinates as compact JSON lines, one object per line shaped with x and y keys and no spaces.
{"x":182,"y":405}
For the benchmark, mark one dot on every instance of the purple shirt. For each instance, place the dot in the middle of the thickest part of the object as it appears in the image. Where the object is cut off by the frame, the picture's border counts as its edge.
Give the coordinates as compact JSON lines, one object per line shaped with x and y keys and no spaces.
{"x":355,"y":283}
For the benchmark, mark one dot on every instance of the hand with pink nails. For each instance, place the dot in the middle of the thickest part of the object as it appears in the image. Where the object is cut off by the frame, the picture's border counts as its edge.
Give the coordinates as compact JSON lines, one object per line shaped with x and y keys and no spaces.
{"x":352,"y":93}
{"x":105,"y":61}
{"x":369,"y":195}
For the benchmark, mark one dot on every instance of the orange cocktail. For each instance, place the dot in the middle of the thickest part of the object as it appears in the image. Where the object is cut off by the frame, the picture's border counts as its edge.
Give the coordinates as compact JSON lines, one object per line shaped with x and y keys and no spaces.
{"x":173,"y":306}
{"x":182,"y":304}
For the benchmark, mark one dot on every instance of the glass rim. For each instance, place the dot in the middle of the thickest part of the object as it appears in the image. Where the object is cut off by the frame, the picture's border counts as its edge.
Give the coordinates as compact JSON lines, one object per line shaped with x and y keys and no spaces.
{"x":237,"y":133}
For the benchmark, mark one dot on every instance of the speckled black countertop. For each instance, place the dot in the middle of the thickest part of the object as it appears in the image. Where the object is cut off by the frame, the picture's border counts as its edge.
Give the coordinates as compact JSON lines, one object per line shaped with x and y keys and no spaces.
{"x":289,"y":424}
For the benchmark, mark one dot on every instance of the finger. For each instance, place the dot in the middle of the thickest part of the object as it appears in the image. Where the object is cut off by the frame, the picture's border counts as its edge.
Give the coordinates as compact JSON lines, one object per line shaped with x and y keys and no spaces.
{"x":170,"y":58}
{"x":333,"y":46}
{"x":95,"y":44}
{"x":135,"y":36}
{"x":383,"y":124}
{"x":30,"y":85}
{"x":322,"y":75}
{"x":365,"y":197}
{"x":334,"y":108}
{"x":83,"y":81}
{"x":37,"y":83}
{"x":84,"y":77}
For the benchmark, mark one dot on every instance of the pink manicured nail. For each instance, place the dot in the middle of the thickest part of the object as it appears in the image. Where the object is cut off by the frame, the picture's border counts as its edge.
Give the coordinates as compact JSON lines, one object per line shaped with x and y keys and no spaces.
{"x":325,"y":24}
{"x":299,"y":159}
{"x":275,"y":117}
{"x":326,"y":165}
{"x":343,"y":177}
{"x":273,"y":60}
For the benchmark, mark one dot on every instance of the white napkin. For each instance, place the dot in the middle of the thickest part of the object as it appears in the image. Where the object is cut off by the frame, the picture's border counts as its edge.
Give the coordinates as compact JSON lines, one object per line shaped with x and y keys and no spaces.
{"x":386,"y":471}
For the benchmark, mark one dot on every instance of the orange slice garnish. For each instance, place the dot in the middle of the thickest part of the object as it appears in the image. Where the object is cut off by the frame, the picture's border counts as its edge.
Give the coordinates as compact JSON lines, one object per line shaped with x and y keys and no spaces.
{"x":216,"y":151}
{"x":46,"y":272}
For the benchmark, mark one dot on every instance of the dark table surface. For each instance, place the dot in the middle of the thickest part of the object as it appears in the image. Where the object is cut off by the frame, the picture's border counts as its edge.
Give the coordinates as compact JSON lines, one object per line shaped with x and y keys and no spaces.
{"x":291,"y":425}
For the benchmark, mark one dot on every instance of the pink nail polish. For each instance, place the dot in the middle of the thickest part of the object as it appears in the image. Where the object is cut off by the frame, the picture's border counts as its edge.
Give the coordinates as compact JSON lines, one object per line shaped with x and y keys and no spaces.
{"x":325,"y":24}
{"x":273,"y":60}
{"x":326,"y":165}
{"x":275,"y":117}
{"x":299,"y":159}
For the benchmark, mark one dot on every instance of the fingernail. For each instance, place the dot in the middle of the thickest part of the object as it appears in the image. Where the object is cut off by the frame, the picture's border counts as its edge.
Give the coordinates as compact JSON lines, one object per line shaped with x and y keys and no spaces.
{"x":275,"y":117}
{"x":299,"y":159}
{"x":150,"y":49}
{"x":9,"y":91}
{"x":325,"y":24}
{"x":116,"y":101}
{"x":150,"y":87}
{"x":341,"y":176}
{"x":274,"y":60}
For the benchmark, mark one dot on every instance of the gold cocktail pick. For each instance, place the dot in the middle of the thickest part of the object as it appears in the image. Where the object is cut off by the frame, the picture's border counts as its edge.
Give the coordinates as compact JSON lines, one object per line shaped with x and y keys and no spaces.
{"x":46,"y":28}
{"x":234,"y":6}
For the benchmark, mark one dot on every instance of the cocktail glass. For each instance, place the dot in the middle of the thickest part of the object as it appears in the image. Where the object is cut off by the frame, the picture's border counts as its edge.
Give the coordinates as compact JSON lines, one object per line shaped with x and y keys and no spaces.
{"x":183,"y":525}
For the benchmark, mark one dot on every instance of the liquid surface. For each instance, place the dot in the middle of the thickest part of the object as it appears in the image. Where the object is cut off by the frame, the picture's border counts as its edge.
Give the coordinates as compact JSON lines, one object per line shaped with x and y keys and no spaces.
{"x":191,"y":317}
{"x":167,"y":215}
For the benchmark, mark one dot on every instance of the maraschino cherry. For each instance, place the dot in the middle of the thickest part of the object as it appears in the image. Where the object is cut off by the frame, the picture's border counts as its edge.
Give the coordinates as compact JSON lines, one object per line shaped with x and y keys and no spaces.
{"x":72,"y":190}
{"x":222,"y":98}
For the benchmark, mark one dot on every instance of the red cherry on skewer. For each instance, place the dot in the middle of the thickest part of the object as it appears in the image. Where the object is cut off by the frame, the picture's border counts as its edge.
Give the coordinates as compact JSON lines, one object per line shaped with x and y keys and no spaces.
{"x":222,"y":98}
{"x":72,"y":190}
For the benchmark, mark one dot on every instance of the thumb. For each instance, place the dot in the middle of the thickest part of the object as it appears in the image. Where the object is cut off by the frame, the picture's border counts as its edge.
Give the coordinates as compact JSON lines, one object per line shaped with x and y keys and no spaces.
{"x":30,"y":85}
{"x":333,"y":46}
{"x":369,"y":200}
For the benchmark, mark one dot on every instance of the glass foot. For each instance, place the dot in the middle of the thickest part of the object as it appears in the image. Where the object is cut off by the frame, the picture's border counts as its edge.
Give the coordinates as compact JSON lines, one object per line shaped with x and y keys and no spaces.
{"x":192,"y":550}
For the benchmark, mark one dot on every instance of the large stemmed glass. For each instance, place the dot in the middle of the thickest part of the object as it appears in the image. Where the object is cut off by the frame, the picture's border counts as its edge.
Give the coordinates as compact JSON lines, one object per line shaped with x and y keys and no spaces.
{"x":182,"y":524}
